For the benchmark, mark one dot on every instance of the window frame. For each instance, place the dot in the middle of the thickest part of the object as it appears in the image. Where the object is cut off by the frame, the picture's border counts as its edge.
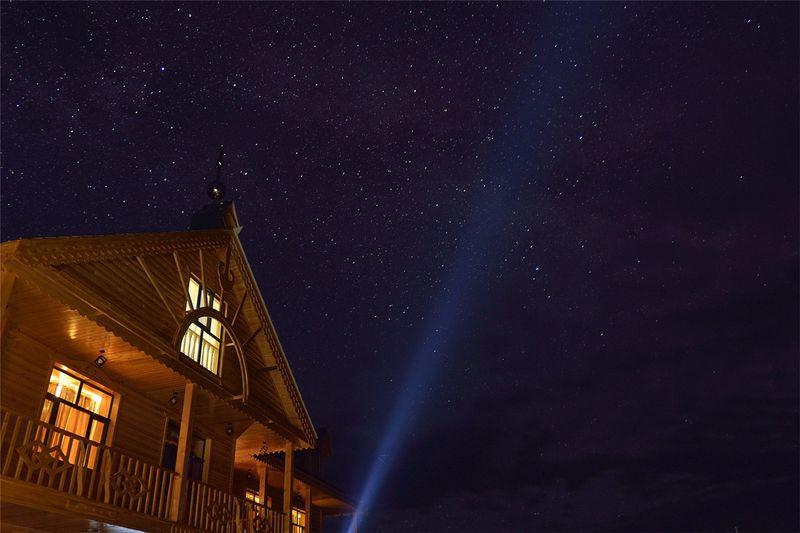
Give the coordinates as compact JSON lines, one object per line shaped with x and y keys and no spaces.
{"x":299,"y":528}
{"x":57,"y":402}
{"x":197,"y":435}
{"x":205,"y":330}
{"x":252,"y":496}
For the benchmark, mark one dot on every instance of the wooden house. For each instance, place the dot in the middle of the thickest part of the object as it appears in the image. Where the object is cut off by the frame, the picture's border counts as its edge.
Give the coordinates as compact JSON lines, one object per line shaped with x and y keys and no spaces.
{"x":143,"y":387}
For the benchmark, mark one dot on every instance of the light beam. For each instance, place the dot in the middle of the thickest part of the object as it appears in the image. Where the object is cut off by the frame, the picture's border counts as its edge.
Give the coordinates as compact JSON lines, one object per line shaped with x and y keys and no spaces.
{"x":470,"y":264}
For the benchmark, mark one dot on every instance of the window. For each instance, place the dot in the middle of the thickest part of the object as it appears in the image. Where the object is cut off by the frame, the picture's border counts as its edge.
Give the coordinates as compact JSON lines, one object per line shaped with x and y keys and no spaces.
{"x":196,"y":451}
{"x":252,"y":496}
{"x":298,"y":521}
{"x":203,"y":339}
{"x":77,"y":406}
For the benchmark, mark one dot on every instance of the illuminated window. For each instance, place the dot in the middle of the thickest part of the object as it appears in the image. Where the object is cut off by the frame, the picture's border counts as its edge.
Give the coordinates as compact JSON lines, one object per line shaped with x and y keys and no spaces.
{"x":202,"y":340}
{"x":252,"y":496}
{"x":298,"y":521}
{"x":77,"y":406}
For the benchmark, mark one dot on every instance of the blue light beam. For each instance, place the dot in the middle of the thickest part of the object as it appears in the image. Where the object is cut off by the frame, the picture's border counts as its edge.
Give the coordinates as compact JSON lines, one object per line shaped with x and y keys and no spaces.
{"x":513,"y":162}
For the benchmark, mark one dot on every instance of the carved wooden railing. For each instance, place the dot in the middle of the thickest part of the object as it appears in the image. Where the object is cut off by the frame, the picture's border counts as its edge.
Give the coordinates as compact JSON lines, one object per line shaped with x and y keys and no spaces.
{"x":48,"y":456}
{"x":210,"y":509}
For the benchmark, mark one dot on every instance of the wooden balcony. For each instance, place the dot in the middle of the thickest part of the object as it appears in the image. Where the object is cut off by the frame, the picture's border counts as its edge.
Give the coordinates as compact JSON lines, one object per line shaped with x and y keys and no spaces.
{"x":210,"y":509}
{"x":47,"y":468}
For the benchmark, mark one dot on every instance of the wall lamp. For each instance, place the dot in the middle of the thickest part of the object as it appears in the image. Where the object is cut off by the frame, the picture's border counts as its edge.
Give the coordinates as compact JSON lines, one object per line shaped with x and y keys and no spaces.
{"x":101,"y":359}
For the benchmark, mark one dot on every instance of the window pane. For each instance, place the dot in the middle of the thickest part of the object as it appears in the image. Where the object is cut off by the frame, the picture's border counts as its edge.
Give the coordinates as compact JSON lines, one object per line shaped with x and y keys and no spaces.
{"x":95,"y":400}
{"x":198,"y":446}
{"x":191,"y":342}
{"x":96,"y":433}
{"x":63,"y":385}
{"x":47,"y":408}
{"x":72,"y":420}
{"x":194,"y":293}
{"x":216,"y":328}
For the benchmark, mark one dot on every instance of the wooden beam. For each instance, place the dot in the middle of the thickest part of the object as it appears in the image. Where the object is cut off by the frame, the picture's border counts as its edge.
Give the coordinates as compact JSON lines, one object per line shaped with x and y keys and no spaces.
{"x":184,"y":447}
{"x":251,"y":337}
{"x":263,"y":474}
{"x":307,"y":498}
{"x":155,"y":286}
{"x":183,"y":282}
{"x":203,"y":297}
{"x":288,"y":465}
{"x":238,"y":308}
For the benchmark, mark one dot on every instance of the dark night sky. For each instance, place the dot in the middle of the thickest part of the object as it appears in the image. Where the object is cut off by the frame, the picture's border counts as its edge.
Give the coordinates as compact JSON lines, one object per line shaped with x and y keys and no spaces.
{"x":579,"y":222}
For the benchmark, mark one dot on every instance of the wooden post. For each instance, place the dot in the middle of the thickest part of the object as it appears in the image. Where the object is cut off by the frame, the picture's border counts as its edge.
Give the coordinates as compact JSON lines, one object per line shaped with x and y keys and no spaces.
{"x":287,"y":487}
{"x":307,"y":498}
{"x":263,"y":475}
{"x":182,"y":458}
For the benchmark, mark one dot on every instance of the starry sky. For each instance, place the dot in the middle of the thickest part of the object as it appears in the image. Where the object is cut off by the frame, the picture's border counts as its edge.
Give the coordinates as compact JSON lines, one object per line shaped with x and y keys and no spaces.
{"x":562,"y":239}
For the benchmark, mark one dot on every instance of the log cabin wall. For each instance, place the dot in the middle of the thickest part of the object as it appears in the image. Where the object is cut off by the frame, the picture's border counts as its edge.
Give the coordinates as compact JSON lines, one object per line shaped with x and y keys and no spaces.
{"x":138,"y":422}
{"x":25,"y":372}
{"x":242,"y":483}
{"x":221,"y":461}
{"x":140,"y":428}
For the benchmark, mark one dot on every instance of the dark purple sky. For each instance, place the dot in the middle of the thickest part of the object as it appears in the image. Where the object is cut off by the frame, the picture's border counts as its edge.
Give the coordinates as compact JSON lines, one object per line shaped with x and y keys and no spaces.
{"x":590,"y":211}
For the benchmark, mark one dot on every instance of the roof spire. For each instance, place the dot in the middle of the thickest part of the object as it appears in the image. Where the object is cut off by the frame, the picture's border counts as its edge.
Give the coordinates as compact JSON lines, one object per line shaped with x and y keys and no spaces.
{"x":216,"y":189}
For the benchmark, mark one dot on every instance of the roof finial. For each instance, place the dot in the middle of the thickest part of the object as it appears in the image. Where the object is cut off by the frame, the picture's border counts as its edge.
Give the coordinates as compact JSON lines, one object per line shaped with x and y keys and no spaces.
{"x":216,"y":189}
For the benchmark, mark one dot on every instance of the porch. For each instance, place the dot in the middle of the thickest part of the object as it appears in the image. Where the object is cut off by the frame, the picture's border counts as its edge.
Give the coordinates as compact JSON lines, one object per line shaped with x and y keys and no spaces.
{"x":49,"y":469}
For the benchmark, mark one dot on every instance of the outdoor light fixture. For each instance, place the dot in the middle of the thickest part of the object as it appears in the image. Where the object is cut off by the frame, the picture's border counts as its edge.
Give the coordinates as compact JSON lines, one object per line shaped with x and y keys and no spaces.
{"x":174,"y":398}
{"x":229,"y":429}
{"x":249,"y":474}
{"x":101,"y":359}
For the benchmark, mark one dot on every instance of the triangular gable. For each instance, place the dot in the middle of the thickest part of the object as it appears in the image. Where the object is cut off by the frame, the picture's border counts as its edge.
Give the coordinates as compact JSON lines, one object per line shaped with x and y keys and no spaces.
{"x":135,"y":285}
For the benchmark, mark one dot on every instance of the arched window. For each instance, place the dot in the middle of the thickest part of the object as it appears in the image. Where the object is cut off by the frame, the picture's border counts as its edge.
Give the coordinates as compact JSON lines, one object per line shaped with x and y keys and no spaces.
{"x":202,"y":341}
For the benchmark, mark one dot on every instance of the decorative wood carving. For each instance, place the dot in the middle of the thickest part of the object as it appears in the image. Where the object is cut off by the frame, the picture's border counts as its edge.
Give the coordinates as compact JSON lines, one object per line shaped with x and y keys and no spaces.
{"x":226,"y":277}
{"x":36,"y":455}
{"x":128,"y":484}
{"x":219,"y":513}
{"x":260,"y":523}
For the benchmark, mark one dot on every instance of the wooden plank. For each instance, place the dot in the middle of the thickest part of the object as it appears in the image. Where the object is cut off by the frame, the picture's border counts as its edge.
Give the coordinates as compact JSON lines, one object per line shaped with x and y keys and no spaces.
{"x":158,"y":290}
{"x":7,"y":280}
{"x":288,"y":465}
{"x":184,"y":444}
{"x":251,"y":337}
{"x":203,"y":296}
{"x":184,"y":285}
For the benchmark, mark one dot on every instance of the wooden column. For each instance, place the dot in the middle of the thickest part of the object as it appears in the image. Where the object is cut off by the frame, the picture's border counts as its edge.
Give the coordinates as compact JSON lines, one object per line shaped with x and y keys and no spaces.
{"x":287,"y":487}
{"x":307,"y":498}
{"x":263,"y":477}
{"x":182,"y":459}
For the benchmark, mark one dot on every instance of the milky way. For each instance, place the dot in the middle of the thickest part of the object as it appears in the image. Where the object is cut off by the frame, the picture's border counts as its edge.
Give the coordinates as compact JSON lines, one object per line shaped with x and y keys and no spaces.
{"x":603,"y":198}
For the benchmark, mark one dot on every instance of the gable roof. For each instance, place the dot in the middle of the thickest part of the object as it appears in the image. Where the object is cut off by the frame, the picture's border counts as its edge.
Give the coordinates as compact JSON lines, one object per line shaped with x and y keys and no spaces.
{"x":133,"y":284}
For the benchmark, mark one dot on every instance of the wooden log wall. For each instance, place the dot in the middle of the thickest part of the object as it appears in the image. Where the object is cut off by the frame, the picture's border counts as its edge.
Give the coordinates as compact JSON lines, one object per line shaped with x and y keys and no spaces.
{"x":25,"y":373}
{"x":140,"y":428}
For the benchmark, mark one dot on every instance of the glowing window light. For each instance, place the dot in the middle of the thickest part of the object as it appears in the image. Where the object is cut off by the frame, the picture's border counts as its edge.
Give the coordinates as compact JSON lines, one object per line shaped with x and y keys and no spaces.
{"x":203,"y":339}
{"x":76,"y":406}
{"x":298,"y":521}
{"x":252,"y":496}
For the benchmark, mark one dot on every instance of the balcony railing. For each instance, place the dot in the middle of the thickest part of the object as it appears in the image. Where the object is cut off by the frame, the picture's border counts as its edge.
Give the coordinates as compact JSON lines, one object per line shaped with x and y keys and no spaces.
{"x":211,"y":509}
{"x":48,"y":456}
{"x":45,"y":455}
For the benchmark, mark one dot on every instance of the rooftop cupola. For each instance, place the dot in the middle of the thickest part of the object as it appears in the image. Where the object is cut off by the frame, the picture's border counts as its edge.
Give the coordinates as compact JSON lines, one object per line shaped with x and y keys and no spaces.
{"x":219,"y":213}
